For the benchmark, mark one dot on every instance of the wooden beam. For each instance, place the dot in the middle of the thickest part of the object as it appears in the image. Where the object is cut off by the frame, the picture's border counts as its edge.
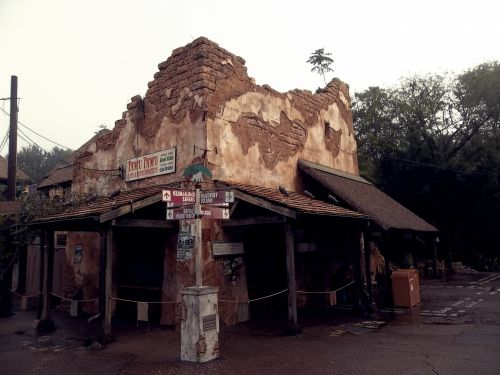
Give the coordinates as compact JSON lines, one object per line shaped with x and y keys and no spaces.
{"x":257,"y":220}
{"x":143,"y":223}
{"x":133,"y":206}
{"x":265,"y":204}
{"x":292,"y":283}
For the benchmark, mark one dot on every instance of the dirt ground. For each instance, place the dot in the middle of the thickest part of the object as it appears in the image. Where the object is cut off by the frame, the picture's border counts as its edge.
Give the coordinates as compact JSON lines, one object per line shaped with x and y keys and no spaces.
{"x":455,"y":330}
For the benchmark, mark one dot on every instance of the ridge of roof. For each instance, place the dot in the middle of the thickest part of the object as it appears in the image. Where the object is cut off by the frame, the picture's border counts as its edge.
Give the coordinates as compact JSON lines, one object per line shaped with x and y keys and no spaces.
{"x":309,"y":164}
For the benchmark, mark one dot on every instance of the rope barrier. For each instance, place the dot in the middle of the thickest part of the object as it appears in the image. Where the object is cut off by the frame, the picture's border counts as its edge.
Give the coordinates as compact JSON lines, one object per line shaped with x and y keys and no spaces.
{"x":255,"y":299}
{"x":129,"y":300}
{"x":327,"y":292}
{"x":74,"y":300}
{"x":20,"y":295}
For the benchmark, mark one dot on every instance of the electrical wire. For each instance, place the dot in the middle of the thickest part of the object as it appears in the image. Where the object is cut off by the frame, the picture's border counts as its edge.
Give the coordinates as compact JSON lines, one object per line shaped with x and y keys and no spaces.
{"x":440,"y":167}
{"x":33,"y":131}
{"x":4,"y":140}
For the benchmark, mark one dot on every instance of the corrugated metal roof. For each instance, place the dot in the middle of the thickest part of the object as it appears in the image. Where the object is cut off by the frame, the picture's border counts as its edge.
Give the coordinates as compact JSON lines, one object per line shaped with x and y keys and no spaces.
{"x":297,"y":201}
{"x":366,"y":198}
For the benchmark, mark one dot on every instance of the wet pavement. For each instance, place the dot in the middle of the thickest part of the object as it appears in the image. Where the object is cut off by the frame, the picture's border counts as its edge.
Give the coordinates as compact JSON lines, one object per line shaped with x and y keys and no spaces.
{"x":455,"y":330}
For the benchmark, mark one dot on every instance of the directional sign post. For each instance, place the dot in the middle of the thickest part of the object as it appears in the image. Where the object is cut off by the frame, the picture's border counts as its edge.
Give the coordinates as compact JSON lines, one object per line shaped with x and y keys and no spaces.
{"x":183,"y":204}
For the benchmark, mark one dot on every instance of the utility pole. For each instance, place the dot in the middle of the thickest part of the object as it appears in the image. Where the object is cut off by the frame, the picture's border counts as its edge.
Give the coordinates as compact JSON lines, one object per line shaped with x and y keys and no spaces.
{"x":12,"y":162}
{"x":5,"y":267}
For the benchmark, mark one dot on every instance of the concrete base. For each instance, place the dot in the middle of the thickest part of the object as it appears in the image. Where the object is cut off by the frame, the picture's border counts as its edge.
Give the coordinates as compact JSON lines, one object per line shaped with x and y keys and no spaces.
{"x":200,"y":324}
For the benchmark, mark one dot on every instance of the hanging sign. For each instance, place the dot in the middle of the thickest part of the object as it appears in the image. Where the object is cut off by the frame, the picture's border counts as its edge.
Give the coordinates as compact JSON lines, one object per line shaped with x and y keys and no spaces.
{"x":226,"y":248}
{"x":162,"y":162}
{"x":187,"y":212}
{"x":216,"y":197}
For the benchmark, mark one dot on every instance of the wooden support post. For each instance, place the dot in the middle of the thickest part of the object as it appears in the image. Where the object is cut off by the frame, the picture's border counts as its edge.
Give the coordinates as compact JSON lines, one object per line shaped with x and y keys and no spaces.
{"x":368,"y":269}
{"x":108,"y":285}
{"x":43,"y":237}
{"x":435,"y":257}
{"x":361,"y":270}
{"x":293,"y":326}
{"x":46,"y":324}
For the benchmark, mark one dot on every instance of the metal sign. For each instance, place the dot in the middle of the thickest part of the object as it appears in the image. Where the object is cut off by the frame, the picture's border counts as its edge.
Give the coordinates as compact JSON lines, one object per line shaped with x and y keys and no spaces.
{"x":187,"y":212}
{"x":158,"y":163}
{"x":209,"y":323}
{"x":216,"y":197}
{"x":178,"y":197}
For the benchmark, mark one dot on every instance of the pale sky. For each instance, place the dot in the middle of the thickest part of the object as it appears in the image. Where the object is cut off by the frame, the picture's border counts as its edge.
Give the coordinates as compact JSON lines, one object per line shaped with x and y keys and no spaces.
{"x":79,"y":62}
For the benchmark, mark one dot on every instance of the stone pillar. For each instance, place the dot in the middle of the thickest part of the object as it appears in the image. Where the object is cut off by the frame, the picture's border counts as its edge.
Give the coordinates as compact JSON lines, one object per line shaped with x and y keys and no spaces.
{"x":200,"y":324}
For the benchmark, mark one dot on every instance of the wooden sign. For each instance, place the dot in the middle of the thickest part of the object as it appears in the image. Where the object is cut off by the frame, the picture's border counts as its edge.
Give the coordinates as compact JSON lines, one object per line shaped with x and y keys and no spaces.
{"x":187,"y":212}
{"x":178,"y":197}
{"x":158,"y":163}
{"x":216,"y":197}
{"x":226,"y":248}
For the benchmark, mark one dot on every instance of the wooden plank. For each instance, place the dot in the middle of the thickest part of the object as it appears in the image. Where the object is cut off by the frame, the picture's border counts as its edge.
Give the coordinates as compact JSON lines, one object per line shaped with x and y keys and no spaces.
{"x":265,"y":204}
{"x":292,"y":284}
{"x":143,"y":223}
{"x":257,"y":220}
{"x":123,"y":210}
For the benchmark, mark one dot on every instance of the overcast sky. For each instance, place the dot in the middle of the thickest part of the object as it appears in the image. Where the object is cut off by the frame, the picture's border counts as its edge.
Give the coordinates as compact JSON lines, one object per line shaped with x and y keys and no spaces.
{"x":79,"y":62}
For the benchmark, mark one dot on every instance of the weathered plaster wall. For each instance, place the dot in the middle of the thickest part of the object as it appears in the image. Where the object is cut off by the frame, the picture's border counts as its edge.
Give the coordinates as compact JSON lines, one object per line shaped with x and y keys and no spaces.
{"x":259,"y":135}
{"x":83,"y":276}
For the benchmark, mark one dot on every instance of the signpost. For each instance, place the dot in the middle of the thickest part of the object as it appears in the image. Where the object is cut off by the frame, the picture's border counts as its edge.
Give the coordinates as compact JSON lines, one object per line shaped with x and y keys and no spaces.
{"x":202,"y":318}
{"x":184,"y":204}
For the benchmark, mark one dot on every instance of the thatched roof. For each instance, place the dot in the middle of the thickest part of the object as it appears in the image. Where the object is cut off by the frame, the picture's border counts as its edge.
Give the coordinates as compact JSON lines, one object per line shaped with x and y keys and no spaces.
{"x":21,"y":176}
{"x":366,"y":198}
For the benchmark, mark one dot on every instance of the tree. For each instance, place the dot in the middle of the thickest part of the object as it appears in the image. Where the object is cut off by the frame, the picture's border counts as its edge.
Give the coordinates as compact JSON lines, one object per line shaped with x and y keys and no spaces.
{"x":433,"y":143}
{"x":37,"y":162}
{"x":321,"y":62}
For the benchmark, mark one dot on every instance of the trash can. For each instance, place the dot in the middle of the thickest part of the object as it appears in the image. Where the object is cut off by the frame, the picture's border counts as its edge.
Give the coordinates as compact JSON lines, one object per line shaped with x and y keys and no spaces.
{"x":405,"y":287}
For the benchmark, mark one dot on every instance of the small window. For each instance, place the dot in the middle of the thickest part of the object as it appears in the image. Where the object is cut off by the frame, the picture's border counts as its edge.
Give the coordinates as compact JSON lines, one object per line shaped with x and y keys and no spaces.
{"x":61,"y":239}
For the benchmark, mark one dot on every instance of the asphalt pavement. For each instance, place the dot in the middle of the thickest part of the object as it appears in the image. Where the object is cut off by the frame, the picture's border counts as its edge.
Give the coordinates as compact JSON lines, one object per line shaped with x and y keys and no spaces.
{"x":455,"y":330}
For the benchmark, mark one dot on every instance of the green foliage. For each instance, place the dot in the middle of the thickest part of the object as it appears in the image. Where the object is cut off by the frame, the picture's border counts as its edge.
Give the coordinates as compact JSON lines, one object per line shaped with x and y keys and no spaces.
{"x":321,"y":62}
{"x":433,"y":142}
{"x":37,"y":162}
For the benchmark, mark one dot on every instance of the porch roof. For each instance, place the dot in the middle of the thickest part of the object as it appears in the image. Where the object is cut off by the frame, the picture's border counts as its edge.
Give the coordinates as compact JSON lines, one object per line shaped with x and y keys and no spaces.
{"x":363,"y":196}
{"x":104,"y":209}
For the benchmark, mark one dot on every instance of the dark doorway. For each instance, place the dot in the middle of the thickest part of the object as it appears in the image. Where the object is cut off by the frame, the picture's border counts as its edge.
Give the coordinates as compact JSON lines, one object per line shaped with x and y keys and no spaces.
{"x":266,"y":270}
{"x":139,"y":267}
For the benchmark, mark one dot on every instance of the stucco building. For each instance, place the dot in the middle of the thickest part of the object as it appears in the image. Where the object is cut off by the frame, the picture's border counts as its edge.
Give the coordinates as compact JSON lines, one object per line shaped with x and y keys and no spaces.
{"x":285,"y":232}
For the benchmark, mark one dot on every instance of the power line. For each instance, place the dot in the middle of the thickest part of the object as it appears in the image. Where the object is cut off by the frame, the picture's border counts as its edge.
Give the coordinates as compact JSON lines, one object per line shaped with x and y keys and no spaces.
{"x":33,"y":131}
{"x":441,"y":167}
